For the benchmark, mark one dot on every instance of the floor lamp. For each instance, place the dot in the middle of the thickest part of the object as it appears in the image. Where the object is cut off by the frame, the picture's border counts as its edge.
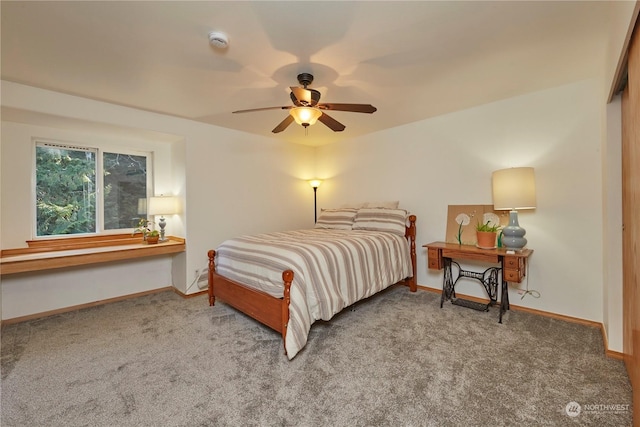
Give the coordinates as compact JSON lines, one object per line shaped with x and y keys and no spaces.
{"x":315,"y":183}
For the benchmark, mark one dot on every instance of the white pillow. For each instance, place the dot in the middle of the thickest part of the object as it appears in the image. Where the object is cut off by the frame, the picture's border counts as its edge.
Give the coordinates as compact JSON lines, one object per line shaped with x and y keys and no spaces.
{"x":385,"y":205}
{"x":353,"y":205}
{"x":336,"y":219}
{"x":391,"y":220}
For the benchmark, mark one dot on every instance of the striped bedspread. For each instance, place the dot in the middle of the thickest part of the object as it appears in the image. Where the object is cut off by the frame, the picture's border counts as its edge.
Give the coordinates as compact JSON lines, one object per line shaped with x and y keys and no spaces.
{"x":332,"y":270}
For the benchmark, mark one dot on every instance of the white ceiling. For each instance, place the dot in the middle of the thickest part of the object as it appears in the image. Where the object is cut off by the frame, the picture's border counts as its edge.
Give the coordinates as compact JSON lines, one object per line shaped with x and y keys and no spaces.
{"x":412,"y":60}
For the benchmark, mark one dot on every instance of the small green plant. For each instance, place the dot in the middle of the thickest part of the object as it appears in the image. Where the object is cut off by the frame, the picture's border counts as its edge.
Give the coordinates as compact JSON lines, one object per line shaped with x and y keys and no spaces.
{"x":487,"y":227}
{"x":144,"y":227}
{"x":153,"y":233}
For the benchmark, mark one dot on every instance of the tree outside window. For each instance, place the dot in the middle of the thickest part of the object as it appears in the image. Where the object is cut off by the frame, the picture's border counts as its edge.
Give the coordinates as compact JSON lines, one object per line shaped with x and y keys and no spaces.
{"x":67,"y":180}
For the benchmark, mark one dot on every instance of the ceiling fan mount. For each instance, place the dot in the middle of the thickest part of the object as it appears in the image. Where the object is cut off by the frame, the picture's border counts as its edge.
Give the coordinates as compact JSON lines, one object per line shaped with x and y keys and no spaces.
{"x":306,"y":109}
{"x":305,"y":79}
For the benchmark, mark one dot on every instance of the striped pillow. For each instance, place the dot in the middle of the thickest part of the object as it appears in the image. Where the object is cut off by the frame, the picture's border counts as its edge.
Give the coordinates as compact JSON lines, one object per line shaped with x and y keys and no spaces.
{"x":337,"y":219}
{"x":378,"y":219}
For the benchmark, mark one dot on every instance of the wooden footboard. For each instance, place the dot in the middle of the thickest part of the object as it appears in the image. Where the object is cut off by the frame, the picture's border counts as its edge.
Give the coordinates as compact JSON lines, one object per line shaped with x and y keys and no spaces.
{"x":269,"y":310}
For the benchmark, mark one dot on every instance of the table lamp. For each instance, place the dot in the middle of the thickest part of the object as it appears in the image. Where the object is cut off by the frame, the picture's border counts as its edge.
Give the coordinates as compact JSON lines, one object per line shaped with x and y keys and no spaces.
{"x":513,"y":189}
{"x":162,"y":205}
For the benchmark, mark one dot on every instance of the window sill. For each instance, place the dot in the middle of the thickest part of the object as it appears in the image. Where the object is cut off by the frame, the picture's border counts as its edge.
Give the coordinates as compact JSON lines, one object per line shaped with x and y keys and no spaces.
{"x":60,"y":253}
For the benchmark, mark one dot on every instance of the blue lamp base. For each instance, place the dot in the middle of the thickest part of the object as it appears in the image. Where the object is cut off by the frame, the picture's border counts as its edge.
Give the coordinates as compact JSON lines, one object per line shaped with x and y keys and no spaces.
{"x":513,"y":234}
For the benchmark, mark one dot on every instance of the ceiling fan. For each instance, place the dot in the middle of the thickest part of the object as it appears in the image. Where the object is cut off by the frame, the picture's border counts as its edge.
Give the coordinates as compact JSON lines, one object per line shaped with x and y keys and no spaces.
{"x":306,"y":110}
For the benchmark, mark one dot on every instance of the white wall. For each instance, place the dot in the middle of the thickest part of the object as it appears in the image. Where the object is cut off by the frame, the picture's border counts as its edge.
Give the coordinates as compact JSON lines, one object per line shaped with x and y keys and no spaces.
{"x":448,"y":160}
{"x":40,"y":292}
{"x":230,"y":183}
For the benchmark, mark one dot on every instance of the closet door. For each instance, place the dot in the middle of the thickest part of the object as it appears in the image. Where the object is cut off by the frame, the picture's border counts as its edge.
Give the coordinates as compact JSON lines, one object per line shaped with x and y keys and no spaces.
{"x":631,"y":220}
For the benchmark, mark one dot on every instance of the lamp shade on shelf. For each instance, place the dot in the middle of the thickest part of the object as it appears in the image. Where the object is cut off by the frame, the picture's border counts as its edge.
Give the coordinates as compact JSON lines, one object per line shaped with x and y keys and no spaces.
{"x":305,"y":116}
{"x":514,"y":188}
{"x":163,"y":205}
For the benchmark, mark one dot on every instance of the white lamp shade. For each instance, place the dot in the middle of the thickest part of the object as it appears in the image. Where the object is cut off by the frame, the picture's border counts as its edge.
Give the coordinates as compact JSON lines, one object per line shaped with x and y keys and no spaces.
{"x":315,"y":183}
{"x":163,"y":205}
{"x":305,"y":116}
{"x":514,"y":188}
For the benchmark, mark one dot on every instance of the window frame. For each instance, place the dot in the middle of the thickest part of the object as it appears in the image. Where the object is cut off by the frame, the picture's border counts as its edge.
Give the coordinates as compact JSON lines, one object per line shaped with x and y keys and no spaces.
{"x":99,"y":150}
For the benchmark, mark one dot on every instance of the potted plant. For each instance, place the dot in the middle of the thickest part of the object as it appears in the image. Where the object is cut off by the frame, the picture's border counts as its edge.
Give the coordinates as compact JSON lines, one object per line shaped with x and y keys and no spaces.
{"x":148,"y":235}
{"x":152,"y":237}
{"x":486,"y":234}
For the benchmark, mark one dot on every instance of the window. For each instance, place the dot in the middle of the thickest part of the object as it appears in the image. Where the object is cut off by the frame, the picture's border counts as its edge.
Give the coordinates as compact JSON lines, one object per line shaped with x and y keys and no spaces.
{"x":83,"y":190}
{"x":125,"y":190}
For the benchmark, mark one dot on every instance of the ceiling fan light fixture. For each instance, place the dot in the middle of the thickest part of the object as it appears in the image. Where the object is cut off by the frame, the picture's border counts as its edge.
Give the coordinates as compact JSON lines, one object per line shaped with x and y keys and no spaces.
{"x":305,"y":116}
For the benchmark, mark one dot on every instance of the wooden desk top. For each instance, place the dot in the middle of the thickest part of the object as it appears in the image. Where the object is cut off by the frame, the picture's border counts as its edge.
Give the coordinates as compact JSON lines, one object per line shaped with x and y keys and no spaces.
{"x":454,"y":250}
{"x":24,"y":260}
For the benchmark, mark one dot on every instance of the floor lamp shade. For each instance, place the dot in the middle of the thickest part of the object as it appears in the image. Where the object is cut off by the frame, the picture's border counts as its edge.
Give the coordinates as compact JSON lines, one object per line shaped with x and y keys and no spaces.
{"x":315,"y":183}
{"x":513,"y":189}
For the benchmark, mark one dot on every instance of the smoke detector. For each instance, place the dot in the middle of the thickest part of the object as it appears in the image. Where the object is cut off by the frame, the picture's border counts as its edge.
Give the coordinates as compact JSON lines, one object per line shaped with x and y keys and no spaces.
{"x":218,"y":39}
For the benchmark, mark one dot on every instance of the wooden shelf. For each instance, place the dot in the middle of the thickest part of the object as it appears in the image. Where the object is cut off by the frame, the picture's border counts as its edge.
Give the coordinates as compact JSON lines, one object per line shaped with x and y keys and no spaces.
{"x":83,"y":251}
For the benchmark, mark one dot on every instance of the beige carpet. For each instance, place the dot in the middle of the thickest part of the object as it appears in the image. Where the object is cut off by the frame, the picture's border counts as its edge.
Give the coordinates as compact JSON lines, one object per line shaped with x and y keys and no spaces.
{"x":396,"y":359}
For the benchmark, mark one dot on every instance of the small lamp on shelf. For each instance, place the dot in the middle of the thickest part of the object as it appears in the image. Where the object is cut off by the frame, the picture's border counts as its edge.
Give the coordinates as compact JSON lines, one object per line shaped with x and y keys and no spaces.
{"x":162,"y":205}
{"x":513,"y":189}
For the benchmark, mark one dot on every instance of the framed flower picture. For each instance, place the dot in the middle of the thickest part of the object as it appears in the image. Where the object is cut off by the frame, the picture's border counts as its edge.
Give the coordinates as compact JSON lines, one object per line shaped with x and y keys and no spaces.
{"x":462,"y":220}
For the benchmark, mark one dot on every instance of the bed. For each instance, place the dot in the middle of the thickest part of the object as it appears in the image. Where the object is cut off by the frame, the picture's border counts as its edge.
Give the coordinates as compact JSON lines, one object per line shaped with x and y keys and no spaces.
{"x":287,"y":280}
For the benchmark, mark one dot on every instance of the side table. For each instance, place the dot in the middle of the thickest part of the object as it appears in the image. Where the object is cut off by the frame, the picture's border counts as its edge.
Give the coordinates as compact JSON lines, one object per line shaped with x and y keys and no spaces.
{"x":441,"y":255}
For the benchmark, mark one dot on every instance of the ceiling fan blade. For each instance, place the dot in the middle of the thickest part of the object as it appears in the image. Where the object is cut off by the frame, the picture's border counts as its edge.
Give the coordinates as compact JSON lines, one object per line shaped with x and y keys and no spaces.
{"x":262,"y":109}
{"x":300,"y":96}
{"x":355,"y":108}
{"x":331,"y":123}
{"x":283,"y":124}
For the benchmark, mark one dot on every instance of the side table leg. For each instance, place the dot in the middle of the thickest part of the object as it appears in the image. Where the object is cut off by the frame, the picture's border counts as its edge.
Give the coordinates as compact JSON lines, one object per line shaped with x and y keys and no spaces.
{"x":504,"y":299}
{"x":491,"y":285}
{"x":447,"y":282}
